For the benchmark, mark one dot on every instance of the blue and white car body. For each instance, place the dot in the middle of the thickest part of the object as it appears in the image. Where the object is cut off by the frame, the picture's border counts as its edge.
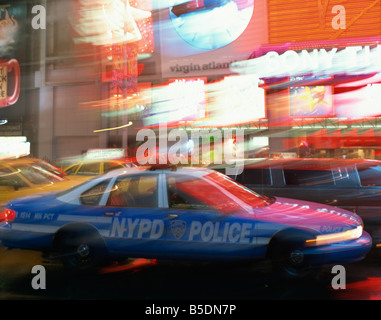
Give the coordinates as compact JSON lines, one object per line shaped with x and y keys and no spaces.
{"x":187,"y":214}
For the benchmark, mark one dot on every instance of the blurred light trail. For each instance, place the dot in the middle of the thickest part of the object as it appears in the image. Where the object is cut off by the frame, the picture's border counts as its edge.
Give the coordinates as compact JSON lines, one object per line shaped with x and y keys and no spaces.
{"x":114,"y":128}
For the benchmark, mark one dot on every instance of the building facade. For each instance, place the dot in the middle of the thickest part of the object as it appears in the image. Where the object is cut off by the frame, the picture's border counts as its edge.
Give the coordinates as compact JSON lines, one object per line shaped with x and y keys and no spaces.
{"x":79,"y":89}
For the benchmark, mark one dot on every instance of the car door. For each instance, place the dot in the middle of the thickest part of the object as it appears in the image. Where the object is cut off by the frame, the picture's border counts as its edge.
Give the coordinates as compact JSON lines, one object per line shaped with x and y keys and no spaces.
{"x":196,"y":230}
{"x":137,"y":217}
{"x":336,"y":186}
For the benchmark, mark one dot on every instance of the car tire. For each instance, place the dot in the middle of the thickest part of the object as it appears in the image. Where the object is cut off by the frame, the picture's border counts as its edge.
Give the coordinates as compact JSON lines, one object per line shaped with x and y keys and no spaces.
{"x":80,"y":251}
{"x":288,"y":258}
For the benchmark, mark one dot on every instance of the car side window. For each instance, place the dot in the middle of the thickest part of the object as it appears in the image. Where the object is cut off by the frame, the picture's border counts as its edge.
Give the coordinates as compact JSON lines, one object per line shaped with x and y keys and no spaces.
{"x":311,"y":178}
{"x":72,"y":169}
{"x":255,"y":176}
{"x":178,"y":199}
{"x":135,"y":192}
{"x":370,"y":176}
{"x":92,"y":196}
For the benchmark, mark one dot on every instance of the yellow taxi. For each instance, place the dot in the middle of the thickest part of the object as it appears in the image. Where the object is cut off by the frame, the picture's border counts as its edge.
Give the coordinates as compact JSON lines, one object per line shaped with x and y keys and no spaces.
{"x":21,"y":177}
{"x":88,"y":169}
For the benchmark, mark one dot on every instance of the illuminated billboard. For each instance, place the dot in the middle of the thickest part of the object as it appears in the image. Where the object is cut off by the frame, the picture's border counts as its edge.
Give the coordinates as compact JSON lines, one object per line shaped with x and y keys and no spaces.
{"x":104,"y":22}
{"x":202,"y":38}
{"x":177,"y":101}
{"x":235,"y":100}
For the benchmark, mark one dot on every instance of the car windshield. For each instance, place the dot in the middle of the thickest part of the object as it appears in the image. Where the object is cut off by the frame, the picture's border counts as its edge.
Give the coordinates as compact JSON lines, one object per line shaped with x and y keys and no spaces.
{"x":36,"y":174}
{"x":221,"y":192}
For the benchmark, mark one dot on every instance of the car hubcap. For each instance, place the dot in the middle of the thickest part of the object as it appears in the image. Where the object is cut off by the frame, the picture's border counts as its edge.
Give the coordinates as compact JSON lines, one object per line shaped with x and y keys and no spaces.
{"x":83,"y":250}
{"x":296,"y":257}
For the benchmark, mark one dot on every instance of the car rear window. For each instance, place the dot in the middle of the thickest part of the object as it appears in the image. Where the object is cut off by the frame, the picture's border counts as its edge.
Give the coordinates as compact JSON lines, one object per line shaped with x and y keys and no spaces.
{"x":36,"y":174}
{"x":370,"y":176}
{"x":72,"y":169}
{"x":10,"y":179}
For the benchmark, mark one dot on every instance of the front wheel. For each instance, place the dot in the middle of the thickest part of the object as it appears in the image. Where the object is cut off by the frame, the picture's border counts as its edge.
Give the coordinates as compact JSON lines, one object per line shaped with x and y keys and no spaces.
{"x":288,"y":256}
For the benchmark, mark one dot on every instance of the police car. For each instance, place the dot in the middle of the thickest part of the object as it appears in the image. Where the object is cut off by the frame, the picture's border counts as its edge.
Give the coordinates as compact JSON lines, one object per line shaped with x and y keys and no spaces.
{"x":184,"y":214}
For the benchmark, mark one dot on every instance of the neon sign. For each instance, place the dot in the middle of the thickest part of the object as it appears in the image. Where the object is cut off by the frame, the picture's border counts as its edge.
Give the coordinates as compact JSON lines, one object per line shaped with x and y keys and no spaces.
{"x":353,"y":59}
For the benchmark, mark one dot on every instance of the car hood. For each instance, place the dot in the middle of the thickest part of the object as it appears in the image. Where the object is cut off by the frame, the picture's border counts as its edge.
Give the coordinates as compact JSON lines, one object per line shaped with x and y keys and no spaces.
{"x":314,"y":216}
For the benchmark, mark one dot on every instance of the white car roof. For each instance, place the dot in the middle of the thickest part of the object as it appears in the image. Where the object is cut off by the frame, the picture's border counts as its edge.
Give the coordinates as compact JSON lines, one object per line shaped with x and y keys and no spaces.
{"x":72,"y":195}
{"x":198,"y":171}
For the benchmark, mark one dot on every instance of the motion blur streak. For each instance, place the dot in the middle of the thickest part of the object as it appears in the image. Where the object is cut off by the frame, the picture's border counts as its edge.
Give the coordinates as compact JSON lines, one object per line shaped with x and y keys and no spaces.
{"x":133,"y":266}
{"x":368,"y":289}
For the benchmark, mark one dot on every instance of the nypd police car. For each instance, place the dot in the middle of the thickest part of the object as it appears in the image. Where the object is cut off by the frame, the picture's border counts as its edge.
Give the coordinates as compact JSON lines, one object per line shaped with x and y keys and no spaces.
{"x":186,"y":214}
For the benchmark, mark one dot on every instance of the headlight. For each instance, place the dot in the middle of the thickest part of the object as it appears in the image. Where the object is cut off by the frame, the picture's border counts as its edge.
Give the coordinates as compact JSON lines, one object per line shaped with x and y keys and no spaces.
{"x":325,"y":239}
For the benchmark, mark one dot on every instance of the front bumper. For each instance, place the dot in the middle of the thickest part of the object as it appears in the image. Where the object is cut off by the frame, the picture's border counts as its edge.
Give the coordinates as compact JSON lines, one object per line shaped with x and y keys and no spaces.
{"x":340,"y":253}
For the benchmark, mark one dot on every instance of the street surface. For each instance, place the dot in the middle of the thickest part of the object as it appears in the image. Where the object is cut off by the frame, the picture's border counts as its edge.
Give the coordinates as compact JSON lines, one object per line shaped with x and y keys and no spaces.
{"x":143,"y":279}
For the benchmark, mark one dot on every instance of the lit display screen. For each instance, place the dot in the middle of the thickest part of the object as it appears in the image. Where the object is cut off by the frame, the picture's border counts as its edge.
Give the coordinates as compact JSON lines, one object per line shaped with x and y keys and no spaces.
{"x":315,"y":101}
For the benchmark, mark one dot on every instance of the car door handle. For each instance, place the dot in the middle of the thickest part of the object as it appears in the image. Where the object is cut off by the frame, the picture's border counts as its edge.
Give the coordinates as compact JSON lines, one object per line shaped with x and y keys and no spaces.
{"x":109,"y":214}
{"x":173,"y":216}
